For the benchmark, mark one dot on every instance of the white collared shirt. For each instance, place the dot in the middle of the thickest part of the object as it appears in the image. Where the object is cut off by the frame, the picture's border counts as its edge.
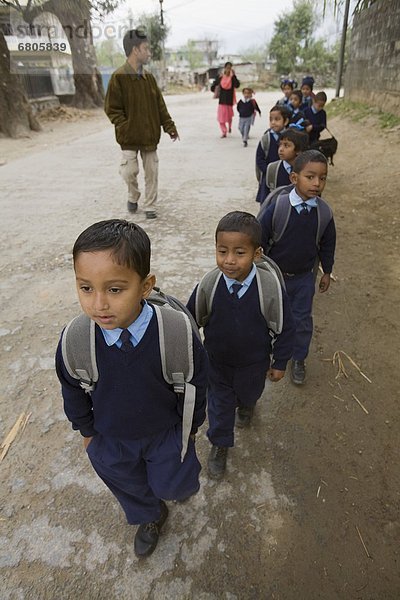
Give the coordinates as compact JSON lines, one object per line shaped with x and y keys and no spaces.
{"x":245,"y":284}
{"x":137,"y":329}
{"x":296,"y":201}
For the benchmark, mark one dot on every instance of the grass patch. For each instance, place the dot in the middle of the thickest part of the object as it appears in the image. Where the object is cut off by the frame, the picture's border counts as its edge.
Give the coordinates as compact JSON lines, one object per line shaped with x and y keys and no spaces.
{"x":356,"y":111}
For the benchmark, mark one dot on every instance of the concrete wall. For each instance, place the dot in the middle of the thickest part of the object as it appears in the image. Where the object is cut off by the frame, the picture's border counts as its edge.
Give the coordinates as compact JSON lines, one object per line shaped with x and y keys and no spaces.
{"x":373,"y":70}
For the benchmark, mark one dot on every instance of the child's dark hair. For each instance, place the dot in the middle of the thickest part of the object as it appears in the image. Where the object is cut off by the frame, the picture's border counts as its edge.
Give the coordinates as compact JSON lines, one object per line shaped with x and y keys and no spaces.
{"x":298,"y":94}
{"x":299,"y":138}
{"x":248,"y":89}
{"x":133,"y":38}
{"x":306,"y":157}
{"x":290,"y":82}
{"x":285,"y":112}
{"x":241,"y":222}
{"x":321,"y":97}
{"x":128,"y":243}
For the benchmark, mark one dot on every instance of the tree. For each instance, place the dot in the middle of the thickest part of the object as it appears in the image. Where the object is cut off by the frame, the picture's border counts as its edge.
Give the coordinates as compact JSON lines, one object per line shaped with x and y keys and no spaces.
{"x":16,"y":116}
{"x":157,"y":33}
{"x":109,"y":54}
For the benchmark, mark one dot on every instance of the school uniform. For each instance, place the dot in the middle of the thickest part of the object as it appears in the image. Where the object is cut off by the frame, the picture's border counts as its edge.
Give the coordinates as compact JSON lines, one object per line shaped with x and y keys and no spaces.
{"x":297,"y":120}
{"x":282,"y":178}
{"x":135,"y":419}
{"x":317,"y":120}
{"x":246,"y":110}
{"x":285,"y":102}
{"x":239,"y":348}
{"x":306,"y":103}
{"x":296,"y":253}
{"x":263,"y":159}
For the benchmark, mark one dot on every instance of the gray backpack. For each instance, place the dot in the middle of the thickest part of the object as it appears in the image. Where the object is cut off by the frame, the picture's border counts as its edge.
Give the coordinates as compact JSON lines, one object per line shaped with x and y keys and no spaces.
{"x":265,"y":144}
{"x":269,"y":282}
{"x":175,"y":325}
{"x":272,"y":174}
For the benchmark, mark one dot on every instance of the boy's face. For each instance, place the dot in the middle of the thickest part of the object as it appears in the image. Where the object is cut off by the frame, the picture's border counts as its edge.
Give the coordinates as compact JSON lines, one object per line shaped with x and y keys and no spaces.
{"x":276,"y":122}
{"x":287,"y":90}
{"x":295,"y":101}
{"x":311,"y":180}
{"x":109,"y":293}
{"x":306,"y":90}
{"x":235,"y":254}
{"x":287,"y":150}
{"x":247,"y":94}
{"x":318,"y":105}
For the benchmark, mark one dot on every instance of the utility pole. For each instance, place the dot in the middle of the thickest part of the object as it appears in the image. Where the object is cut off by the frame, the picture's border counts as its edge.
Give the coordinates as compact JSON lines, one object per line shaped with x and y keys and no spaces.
{"x":342,"y":49}
{"x":163,"y":75}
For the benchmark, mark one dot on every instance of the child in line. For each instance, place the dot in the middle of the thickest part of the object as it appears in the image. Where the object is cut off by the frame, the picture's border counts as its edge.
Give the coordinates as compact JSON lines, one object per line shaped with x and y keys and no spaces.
{"x":237,"y":337}
{"x":291,"y":144}
{"x":246,"y":109}
{"x":316,"y":117}
{"x":131,"y":422}
{"x":297,"y":117}
{"x":298,"y":249}
{"x":267,"y":149}
{"x":287,"y":87}
{"x":307,"y":85}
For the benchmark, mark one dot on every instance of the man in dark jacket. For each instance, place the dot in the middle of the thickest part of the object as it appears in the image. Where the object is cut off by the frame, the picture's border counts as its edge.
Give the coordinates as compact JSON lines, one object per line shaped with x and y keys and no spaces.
{"x":135,"y":105}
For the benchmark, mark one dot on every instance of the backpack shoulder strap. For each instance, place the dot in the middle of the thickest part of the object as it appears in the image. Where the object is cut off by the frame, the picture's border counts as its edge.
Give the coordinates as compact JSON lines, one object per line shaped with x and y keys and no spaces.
{"x":177,"y":363}
{"x":325,"y":214}
{"x":272,"y":174}
{"x":205,"y":295}
{"x":281,"y":216}
{"x":78,"y":348}
{"x":266,"y":142}
{"x":270,"y":294}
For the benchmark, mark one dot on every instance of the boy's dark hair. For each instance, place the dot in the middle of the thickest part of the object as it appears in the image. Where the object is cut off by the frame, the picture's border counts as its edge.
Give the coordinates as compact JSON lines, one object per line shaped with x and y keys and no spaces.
{"x":299,"y":138}
{"x":290,"y":82}
{"x":249,"y":89}
{"x":133,"y":38}
{"x":306,"y":157}
{"x":285,"y":112}
{"x":241,"y":222}
{"x":128,"y":243}
{"x":298,"y":94}
{"x":321,"y":97}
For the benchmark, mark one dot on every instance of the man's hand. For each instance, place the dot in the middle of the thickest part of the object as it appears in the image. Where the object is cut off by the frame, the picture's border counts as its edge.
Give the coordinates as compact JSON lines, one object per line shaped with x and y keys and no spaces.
{"x":86,"y":441}
{"x":324,"y":282}
{"x":174,"y":136}
{"x":275,"y":374}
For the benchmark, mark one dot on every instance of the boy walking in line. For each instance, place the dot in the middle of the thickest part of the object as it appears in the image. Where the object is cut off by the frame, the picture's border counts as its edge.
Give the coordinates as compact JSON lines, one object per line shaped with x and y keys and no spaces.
{"x":316,"y":117}
{"x":247,"y":109}
{"x":135,"y":105}
{"x":308,"y":236}
{"x":131,"y":422}
{"x":239,"y":340}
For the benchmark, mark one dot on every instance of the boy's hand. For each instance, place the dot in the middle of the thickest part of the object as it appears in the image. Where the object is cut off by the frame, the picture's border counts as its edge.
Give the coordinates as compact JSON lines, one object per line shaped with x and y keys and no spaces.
{"x":275,"y":374}
{"x":324,"y":282}
{"x":86,"y":441}
{"x":174,"y":136}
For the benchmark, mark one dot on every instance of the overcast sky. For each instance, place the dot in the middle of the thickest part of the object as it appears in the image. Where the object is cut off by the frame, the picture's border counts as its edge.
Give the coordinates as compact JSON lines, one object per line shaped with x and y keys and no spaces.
{"x":237,"y":24}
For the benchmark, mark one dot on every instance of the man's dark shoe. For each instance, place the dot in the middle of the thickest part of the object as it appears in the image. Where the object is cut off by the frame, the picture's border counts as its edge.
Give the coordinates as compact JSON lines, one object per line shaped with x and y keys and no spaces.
{"x":245,"y":144}
{"x":298,"y":372}
{"x":243,"y":416}
{"x":217,"y":462}
{"x":132,"y":206}
{"x":147,"y":535}
{"x":151,"y":214}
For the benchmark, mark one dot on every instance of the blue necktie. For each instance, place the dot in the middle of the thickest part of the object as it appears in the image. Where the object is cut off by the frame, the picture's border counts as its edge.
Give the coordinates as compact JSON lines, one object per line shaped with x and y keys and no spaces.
{"x":125,"y":338}
{"x":304,"y":209}
{"x":236,"y":287}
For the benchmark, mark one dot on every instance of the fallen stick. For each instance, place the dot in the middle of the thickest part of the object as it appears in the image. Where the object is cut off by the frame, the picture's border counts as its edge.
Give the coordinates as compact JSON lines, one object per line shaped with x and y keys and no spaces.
{"x":19,"y":424}
{"x":362,"y":541}
{"x":362,"y":406}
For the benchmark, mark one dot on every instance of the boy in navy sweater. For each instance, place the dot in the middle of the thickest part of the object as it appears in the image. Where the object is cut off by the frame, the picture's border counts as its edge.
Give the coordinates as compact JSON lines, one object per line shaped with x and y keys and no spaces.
{"x":297,"y":250}
{"x":316,"y":117}
{"x":267,"y":149}
{"x":131,"y":423}
{"x":237,"y":337}
{"x":247,"y":109}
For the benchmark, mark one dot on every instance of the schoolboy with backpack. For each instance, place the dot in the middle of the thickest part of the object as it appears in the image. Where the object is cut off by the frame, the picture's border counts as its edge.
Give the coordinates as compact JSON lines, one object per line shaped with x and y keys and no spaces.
{"x":298,"y":232}
{"x":248,"y":330}
{"x":133,"y":374}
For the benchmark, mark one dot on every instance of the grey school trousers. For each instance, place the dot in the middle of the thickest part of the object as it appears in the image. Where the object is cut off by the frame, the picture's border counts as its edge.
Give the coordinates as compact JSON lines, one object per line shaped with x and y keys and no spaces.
{"x":244,"y":127}
{"x":129,"y":171}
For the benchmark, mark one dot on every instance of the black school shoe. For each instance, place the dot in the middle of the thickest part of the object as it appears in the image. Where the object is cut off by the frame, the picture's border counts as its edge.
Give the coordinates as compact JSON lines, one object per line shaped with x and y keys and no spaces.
{"x":298,"y":372}
{"x":132,"y":206}
{"x":216,"y":462}
{"x":243,"y":416}
{"x":147,"y":535}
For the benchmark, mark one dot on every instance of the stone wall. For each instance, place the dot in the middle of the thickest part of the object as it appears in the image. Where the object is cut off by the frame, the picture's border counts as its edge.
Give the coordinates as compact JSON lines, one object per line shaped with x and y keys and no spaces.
{"x":373,"y":70}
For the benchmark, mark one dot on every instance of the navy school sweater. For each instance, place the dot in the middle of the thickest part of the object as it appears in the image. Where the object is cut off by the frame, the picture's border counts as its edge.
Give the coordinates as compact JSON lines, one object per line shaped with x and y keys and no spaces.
{"x":246,"y":109}
{"x":318,"y":121}
{"x":262,"y":160}
{"x":263,"y":189}
{"x":297,"y":251}
{"x":237,"y":334}
{"x":132,"y":399}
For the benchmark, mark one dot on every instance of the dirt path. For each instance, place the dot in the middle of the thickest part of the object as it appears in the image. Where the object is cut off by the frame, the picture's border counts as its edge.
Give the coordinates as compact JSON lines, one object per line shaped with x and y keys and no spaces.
{"x":310,"y":506}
